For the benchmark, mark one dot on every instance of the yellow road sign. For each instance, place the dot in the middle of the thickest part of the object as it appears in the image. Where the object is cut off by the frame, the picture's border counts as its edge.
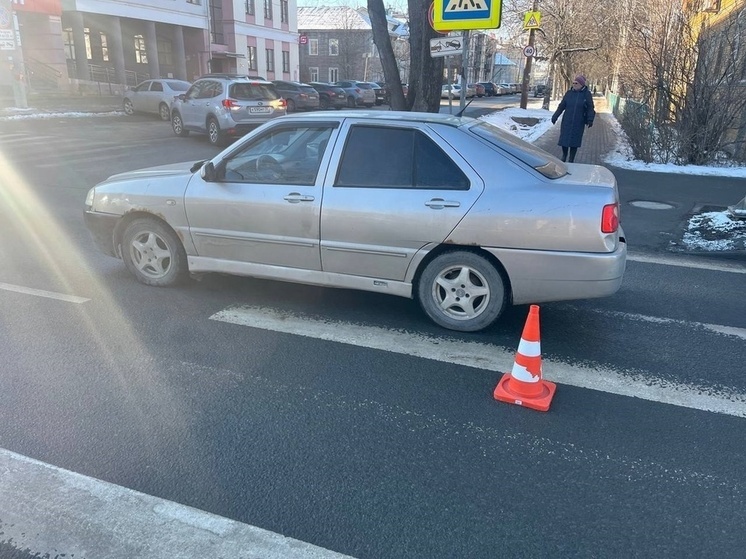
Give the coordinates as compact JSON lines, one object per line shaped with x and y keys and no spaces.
{"x":532,"y":20}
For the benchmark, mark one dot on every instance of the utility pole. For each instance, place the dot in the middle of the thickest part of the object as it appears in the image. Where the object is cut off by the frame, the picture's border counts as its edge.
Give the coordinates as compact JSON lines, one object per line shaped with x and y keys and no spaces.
{"x":464,"y":69}
{"x":529,"y":60}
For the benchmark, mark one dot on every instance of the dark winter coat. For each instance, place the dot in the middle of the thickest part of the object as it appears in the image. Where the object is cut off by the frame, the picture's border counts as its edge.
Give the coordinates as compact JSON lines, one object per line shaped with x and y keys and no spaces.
{"x":579,"y":112}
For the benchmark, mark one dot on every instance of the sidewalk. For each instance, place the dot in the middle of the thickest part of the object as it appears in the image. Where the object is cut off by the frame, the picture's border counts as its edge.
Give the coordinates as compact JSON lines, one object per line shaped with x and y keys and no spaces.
{"x":59,"y":103}
{"x":598,"y":140}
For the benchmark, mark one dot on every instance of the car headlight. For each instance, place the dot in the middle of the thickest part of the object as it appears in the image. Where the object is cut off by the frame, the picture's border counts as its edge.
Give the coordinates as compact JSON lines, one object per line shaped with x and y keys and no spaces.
{"x":89,"y":197}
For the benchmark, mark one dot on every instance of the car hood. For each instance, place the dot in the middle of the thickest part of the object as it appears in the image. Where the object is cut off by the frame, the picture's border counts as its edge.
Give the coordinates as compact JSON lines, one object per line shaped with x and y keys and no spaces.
{"x":172,"y":170}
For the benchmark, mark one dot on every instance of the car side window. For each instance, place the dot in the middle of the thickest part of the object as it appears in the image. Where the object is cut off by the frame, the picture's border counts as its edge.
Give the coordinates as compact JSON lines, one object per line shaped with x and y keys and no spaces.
{"x":194,"y":91}
{"x":157,"y":86}
{"x":209,"y":90}
{"x":142,"y":87}
{"x":382,"y":157}
{"x":287,"y":155}
{"x":377,"y":156}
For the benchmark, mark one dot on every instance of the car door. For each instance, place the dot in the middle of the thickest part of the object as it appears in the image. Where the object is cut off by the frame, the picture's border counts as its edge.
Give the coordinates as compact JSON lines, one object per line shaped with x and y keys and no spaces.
{"x":139,"y":96}
{"x":154,"y":96}
{"x":260,"y":213}
{"x":394,"y":191}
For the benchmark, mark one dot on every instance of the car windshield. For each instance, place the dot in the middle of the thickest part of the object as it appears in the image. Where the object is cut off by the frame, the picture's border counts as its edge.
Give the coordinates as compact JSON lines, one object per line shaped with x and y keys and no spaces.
{"x":178,"y":86}
{"x":253,"y":92}
{"x":543,"y":162}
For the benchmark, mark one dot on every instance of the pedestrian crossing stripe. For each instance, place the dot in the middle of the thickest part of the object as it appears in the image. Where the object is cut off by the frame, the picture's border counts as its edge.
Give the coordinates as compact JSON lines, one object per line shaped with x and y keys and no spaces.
{"x":457,"y":15}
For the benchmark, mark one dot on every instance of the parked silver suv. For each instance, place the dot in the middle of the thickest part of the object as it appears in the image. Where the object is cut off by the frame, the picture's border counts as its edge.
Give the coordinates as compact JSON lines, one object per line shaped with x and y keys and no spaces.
{"x":225,"y":106}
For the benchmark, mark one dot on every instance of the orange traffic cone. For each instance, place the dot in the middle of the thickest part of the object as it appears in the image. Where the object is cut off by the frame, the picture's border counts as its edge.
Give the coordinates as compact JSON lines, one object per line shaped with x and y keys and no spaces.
{"x":524,"y":385}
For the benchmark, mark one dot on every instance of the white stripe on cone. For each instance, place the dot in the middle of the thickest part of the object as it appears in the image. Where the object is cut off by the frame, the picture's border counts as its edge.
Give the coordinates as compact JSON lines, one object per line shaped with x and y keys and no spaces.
{"x":524,"y":375}
{"x":529,"y":349}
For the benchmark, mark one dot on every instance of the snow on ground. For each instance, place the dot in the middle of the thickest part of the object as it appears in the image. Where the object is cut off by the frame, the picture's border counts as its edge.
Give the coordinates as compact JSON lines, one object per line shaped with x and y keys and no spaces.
{"x":710,"y":231}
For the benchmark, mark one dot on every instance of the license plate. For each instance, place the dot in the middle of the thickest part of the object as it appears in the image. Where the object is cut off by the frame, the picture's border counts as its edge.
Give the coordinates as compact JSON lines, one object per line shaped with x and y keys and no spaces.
{"x":259,"y":109}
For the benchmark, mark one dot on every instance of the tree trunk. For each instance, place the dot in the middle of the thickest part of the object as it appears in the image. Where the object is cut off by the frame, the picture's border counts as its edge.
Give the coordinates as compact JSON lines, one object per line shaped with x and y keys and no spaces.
{"x":382,"y":40}
{"x":426,"y":74}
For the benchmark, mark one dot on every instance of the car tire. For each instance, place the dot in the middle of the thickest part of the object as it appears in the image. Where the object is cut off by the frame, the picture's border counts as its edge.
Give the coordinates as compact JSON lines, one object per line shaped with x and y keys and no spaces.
{"x":214,"y":134}
{"x":324,"y":103}
{"x":351,"y":102}
{"x":128,"y":108}
{"x":461,"y":290}
{"x":178,"y":125}
{"x":153,"y":253}
{"x":291,"y":106}
{"x":164,"y":112}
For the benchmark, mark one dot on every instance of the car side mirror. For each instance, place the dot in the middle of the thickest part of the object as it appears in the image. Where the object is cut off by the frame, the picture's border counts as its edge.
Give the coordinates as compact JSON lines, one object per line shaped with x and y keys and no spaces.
{"x":181,"y":96}
{"x":208,"y":172}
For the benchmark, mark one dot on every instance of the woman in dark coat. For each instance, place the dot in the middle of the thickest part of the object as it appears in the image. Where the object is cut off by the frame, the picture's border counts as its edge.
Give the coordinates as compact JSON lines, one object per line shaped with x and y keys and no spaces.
{"x":577,"y":104}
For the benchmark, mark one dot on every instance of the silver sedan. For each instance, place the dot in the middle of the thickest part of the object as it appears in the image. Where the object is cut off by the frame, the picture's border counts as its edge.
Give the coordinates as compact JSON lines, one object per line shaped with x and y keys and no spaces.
{"x":455,"y":212}
{"x":154,"y":97}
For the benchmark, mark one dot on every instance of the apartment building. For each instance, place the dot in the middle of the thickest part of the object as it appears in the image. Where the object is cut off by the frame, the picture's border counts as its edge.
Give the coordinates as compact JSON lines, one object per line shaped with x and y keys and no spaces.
{"x":82,"y":43}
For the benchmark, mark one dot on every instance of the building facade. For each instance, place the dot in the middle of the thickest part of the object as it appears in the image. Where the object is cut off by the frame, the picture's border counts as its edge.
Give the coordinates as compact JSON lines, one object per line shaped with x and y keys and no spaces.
{"x":79,"y":44}
{"x":337,"y":44}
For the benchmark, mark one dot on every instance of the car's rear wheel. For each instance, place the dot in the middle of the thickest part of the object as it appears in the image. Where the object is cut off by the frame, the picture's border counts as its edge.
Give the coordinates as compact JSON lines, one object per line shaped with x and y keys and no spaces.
{"x":462,"y":290}
{"x":178,"y":125}
{"x":291,"y":106}
{"x":216,"y":137}
{"x":351,"y":102}
{"x":128,"y":108}
{"x":164,"y":112}
{"x":324,"y":102}
{"x":153,"y":253}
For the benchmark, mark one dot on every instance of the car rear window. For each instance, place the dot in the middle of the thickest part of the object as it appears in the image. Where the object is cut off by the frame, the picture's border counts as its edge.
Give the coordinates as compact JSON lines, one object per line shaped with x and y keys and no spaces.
{"x":543,"y":162}
{"x":364,"y":85}
{"x":253,"y":92}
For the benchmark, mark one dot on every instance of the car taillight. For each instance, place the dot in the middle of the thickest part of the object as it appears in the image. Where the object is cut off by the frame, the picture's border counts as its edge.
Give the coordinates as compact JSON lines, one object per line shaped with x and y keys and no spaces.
{"x":303,"y":95}
{"x":357,"y":90}
{"x":282,"y":103}
{"x":229,"y":103}
{"x":610,"y":218}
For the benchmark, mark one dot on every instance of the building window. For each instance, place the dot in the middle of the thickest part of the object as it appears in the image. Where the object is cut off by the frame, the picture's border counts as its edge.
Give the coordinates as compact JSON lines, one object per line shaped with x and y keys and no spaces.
{"x":216,"y":20}
{"x":141,"y":56}
{"x":251,"y":58}
{"x":333,"y":75}
{"x":267,"y":9}
{"x":313,"y":47}
{"x":194,"y":2}
{"x":250,"y":8}
{"x":165,"y":53}
{"x":314,"y":71}
{"x":285,"y":61}
{"x":104,"y":47}
{"x":88,"y":51}
{"x":333,"y":47}
{"x":69,"y":43}
{"x":284,"y":18}
{"x":270,"y":60}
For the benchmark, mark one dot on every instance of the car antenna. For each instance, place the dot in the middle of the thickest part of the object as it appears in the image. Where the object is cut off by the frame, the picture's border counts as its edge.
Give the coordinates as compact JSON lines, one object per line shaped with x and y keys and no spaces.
{"x":461,"y":112}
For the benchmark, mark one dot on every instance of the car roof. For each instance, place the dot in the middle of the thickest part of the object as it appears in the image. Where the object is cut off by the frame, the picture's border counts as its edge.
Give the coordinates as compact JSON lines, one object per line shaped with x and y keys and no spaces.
{"x":235,"y":77}
{"x":383,"y":116}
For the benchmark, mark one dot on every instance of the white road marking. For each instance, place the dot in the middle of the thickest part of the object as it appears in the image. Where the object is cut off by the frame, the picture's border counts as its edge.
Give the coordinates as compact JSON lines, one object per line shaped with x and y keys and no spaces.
{"x":48,"y":511}
{"x":42,"y":293}
{"x":687,"y":262}
{"x":636,"y":384}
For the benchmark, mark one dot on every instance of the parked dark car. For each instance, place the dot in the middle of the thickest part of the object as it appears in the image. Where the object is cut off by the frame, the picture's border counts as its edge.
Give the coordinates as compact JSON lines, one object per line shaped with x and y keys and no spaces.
{"x":330,"y":96}
{"x":299,"y":96}
{"x":540,"y":90}
{"x":490,"y":89}
{"x":358,"y":93}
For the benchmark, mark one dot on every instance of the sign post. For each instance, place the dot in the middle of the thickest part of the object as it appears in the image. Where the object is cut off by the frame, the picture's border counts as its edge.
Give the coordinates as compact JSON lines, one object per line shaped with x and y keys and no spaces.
{"x":530,"y":22}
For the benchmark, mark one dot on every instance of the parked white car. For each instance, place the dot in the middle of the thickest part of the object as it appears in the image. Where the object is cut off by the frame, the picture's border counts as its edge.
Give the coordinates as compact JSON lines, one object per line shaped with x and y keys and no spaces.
{"x":153,"y":96}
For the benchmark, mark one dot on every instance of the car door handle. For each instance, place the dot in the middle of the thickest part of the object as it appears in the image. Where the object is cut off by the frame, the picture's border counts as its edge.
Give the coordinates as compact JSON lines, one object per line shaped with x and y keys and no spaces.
{"x":295,"y":197}
{"x":439,"y":204}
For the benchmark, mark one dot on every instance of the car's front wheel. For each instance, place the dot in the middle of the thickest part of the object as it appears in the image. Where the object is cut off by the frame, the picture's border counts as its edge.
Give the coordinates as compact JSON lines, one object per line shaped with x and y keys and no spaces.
{"x":178,"y":125}
{"x":164,"y":112}
{"x":462,"y":291}
{"x":153,"y":253}
{"x":128,"y":108}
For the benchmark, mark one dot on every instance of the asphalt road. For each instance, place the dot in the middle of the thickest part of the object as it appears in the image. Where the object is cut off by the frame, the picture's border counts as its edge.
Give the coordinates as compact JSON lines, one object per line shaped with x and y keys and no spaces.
{"x":347,"y":420}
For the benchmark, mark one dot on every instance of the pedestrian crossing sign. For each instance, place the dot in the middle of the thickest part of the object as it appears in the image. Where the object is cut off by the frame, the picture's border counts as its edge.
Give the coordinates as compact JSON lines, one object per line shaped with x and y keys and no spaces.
{"x":457,"y":15}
